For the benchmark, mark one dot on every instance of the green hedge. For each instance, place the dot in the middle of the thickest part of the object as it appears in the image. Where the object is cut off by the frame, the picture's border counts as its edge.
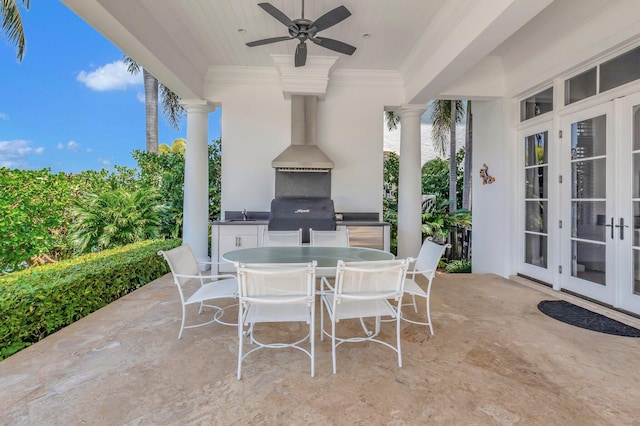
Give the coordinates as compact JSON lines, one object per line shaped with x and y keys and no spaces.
{"x":40,"y":301}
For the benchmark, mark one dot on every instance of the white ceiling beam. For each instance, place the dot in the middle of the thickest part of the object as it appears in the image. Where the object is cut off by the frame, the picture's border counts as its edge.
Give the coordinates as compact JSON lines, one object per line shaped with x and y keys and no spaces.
{"x":484,"y":25}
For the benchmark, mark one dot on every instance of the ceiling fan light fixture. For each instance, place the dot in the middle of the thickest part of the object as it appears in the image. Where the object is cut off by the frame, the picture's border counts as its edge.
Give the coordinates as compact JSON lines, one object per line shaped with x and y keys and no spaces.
{"x":303,"y":29}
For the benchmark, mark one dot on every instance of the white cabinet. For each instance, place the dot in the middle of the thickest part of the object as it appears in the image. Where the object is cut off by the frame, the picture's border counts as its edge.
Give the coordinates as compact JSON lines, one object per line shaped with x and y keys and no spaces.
{"x":225,"y":238}
{"x":371,"y":236}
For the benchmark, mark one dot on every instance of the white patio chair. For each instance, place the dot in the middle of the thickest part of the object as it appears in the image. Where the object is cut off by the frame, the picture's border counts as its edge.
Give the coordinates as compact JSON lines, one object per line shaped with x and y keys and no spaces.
{"x":338,"y":238}
{"x":426,"y":264}
{"x":281,"y":238}
{"x":186,"y":274}
{"x":272,"y":293}
{"x":362,"y":290}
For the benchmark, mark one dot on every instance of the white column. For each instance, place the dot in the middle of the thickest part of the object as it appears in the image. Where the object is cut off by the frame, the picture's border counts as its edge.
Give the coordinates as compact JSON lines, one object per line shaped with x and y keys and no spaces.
{"x":196,"y":178}
{"x":410,"y":182}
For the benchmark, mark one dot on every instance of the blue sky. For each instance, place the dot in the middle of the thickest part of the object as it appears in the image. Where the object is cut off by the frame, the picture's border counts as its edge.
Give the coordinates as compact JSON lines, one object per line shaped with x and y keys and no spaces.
{"x":70,"y":105}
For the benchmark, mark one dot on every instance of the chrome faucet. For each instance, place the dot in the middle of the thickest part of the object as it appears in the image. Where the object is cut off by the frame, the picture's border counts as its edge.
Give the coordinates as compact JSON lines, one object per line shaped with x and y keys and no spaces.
{"x":244,"y":214}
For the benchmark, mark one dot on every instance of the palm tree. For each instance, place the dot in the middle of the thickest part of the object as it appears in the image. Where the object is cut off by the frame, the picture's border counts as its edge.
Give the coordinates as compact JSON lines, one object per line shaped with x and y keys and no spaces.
{"x":170,"y":103}
{"x":443,"y":114}
{"x":468,"y":166}
{"x":12,"y":24}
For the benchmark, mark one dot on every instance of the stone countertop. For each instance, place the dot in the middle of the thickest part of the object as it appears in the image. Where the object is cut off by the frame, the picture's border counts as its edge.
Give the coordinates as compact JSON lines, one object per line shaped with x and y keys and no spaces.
{"x":266,"y":222}
{"x":234,"y":217}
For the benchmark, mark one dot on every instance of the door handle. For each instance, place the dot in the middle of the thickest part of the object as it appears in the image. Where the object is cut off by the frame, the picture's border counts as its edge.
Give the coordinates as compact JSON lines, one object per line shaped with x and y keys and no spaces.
{"x":612,"y":226}
{"x":621,"y":225}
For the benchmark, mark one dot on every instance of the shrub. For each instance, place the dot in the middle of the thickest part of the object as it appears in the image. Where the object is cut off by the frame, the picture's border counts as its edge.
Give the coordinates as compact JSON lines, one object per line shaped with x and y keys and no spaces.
{"x":458,"y":267}
{"x":115,"y":218}
{"x":37,"y":302}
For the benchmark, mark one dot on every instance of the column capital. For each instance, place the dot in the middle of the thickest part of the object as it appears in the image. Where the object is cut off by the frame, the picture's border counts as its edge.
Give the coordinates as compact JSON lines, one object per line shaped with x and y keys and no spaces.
{"x":412,"y":110}
{"x":197,"y":105}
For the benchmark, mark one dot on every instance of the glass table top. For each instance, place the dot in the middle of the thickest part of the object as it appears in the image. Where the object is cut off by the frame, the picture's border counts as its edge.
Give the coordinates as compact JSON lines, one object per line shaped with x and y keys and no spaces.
{"x":325,"y":256}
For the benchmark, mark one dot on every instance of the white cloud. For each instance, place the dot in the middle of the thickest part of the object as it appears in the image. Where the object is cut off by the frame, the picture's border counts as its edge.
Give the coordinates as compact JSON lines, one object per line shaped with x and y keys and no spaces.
{"x":13,"y":154}
{"x":4,"y":116}
{"x":140,"y":97}
{"x":104,"y":161}
{"x":113,"y":76}
{"x":71,"y":146}
{"x":89,"y":150}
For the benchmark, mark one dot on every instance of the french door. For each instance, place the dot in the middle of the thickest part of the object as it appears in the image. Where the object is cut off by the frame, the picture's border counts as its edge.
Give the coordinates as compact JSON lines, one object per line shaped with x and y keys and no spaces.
{"x":600,"y":252}
{"x":537,"y":211}
{"x":628,"y":225}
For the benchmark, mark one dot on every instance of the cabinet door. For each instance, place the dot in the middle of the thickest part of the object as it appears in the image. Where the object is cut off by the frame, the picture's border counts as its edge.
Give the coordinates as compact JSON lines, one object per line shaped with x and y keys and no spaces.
{"x":235,"y":239}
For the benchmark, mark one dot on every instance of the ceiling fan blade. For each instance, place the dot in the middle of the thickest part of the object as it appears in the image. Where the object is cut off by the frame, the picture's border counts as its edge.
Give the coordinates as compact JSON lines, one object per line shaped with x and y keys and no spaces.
{"x":273,"y":11}
{"x":331,"y":18}
{"x":301,"y":54}
{"x":334,"y":45}
{"x":268,"y":41}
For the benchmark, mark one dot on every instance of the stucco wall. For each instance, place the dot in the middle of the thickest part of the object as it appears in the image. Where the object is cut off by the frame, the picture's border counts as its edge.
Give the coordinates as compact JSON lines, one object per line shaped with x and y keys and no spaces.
{"x":493,"y":214}
{"x":256,"y":126}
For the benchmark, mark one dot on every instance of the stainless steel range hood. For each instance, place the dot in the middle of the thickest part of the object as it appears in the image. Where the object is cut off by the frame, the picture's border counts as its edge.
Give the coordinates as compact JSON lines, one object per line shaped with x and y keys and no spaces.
{"x":303,"y":155}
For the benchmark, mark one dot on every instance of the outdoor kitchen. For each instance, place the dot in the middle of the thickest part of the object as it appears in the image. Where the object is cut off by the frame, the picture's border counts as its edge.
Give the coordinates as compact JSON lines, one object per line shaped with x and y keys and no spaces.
{"x":302,"y":197}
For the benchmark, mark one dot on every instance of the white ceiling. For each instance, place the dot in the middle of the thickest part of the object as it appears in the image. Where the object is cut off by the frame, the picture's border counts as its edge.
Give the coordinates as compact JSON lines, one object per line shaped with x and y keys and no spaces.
{"x":214,"y":25}
{"x":429,"y":43}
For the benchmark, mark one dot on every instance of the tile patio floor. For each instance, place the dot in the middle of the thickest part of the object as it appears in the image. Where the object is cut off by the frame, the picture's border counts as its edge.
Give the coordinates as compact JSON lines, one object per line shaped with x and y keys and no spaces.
{"x":494,"y":360}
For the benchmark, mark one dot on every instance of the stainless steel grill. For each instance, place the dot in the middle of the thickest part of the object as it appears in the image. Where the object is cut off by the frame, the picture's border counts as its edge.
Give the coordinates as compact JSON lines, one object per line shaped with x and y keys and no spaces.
{"x":288,"y":214}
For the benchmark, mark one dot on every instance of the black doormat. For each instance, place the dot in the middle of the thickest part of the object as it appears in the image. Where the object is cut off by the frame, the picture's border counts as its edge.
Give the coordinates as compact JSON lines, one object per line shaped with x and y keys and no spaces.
{"x":584,"y":318}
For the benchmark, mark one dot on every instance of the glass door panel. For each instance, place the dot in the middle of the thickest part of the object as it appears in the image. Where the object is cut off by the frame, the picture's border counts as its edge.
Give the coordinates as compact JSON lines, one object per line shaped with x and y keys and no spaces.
{"x":534,"y":259}
{"x":588,"y":204}
{"x":586,"y":247}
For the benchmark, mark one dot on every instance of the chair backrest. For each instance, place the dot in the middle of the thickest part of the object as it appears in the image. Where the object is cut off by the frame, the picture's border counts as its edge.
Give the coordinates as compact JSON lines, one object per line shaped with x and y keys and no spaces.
{"x":281,"y":238}
{"x":380,"y":279}
{"x":429,"y":257}
{"x":181,"y":261}
{"x":276,"y":282}
{"x":339,"y":238}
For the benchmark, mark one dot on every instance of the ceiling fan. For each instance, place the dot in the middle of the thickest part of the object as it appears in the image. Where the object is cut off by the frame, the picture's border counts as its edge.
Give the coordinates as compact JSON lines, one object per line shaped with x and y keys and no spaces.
{"x":303,"y":29}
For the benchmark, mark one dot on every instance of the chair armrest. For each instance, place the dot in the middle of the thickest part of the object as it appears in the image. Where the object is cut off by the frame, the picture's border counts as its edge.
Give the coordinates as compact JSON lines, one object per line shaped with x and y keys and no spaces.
{"x":423,"y":272}
{"x":204,"y":276}
{"x":211,"y":262}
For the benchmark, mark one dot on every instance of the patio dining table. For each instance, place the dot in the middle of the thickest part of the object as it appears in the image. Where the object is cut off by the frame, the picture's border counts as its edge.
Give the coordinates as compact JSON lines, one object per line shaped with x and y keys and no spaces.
{"x":326,"y":257}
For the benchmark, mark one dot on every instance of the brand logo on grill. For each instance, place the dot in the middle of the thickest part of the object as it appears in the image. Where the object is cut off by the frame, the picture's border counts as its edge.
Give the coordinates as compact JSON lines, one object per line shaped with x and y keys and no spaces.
{"x":302,"y":211}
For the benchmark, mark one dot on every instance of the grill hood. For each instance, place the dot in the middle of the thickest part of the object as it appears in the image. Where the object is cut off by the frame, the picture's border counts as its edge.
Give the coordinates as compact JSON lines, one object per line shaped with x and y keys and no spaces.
{"x":303,"y":154}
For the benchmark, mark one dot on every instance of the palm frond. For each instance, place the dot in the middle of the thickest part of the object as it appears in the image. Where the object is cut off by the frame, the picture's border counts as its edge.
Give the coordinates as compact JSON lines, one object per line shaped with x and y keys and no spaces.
{"x":171,"y":107}
{"x":132,"y":66}
{"x":392,"y":120}
{"x":12,"y":24}
{"x":441,"y":128}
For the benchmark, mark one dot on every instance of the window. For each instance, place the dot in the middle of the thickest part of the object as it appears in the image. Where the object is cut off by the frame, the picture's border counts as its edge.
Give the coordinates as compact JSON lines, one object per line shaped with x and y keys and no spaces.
{"x":620,"y":70}
{"x":538,"y":104}
{"x":580,"y":87}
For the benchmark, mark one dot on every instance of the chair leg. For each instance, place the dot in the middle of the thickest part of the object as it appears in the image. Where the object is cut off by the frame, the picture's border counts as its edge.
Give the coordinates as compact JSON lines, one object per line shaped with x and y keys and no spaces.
{"x":312,"y":332}
{"x":429,"y":316}
{"x":183,"y":320}
{"x":240,"y":341}
{"x":321,"y":320}
{"x":398,"y":340}
{"x":333,"y":344}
